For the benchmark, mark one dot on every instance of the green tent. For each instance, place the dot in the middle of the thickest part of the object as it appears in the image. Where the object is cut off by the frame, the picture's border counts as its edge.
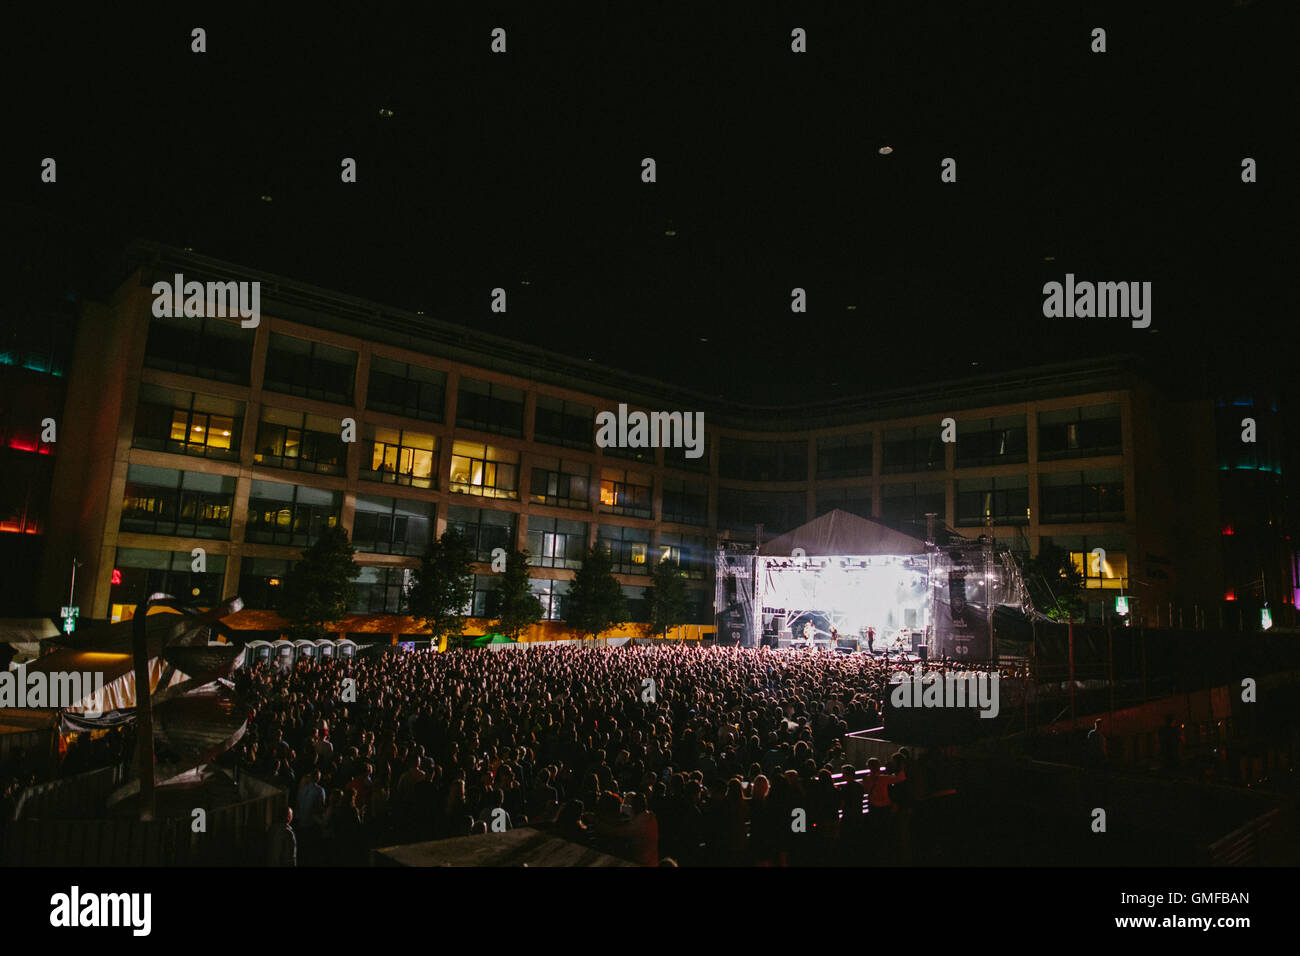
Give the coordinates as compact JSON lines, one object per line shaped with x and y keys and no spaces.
{"x":484,"y":640}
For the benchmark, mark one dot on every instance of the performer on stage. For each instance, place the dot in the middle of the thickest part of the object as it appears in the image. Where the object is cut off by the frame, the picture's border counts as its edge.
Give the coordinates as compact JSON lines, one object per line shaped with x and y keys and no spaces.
{"x":835,"y":637}
{"x":871,"y":639}
{"x":809,"y":633}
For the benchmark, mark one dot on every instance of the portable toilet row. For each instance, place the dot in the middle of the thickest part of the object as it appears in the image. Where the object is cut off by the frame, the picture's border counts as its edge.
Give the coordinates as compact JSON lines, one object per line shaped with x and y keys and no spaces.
{"x":287,"y":653}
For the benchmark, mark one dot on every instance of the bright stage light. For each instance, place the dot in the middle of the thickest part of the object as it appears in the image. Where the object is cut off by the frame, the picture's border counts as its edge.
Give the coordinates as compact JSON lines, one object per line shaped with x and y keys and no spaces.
{"x":885,"y":592}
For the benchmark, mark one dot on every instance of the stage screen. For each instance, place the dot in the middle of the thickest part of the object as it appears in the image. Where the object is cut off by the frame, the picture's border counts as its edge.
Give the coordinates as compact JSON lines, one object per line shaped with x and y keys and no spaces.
{"x":851,"y":592}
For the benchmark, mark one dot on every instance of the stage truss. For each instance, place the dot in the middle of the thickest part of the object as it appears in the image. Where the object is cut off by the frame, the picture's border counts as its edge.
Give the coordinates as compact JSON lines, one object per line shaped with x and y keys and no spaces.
{"x":942,"y":599}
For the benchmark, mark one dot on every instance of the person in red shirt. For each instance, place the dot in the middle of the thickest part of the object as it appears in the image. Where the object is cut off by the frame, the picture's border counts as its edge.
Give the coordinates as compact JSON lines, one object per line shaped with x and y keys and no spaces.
{"x":878,"y":781}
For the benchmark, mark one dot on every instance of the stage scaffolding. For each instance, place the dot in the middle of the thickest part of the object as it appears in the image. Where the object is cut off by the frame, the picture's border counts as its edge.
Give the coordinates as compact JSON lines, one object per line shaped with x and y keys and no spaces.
{"x":941,"y":599}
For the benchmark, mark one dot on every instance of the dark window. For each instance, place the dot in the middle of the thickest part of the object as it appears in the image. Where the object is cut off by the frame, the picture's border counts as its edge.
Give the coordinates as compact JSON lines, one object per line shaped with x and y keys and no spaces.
{"x":1078,"y":496}
{"x":310,"y":369}
{"x":402,"y":389}
{"x":763,"y":460}
{"x":855,"y":500}
{"x":685,"y":502}
{"x":391,"y":525}
{"x":1264,"y":454}
{"x":562,"y":484}
{"x":625,"y":493}
{"x":485,"y":529}
{"x":37,"y":338}
{"x":644,"y":455}
{"x":552,"y":595}
{"x":25,"y":402}
{"x":186,"y":423}
{"x":981,"y":501}
{"x":401,"y":457}
{"x":1080,"y":433}
{"x":207,"y":348}
{"x":905,"y":506}
{"x":143,"y":572}
{"x":992,"y":441}
{"x":380,"y":590}
{"x":564,"y":423}
{"x":300,"y":442}
{"x":556,"y":543}
{"x":777,"y":511}
{"x":638,"y":606}
{"x":490,"y":408}
{"x":184,"y":503}
{"x":261,"y":581}
{"x":912,"y":449}
{"x":627,"y":547}
{"x":24,"y":491}
{"x":487,"y":600}
{"x":678,"y":458}
{"x":844,"y":456}
{"x":290,"y":514}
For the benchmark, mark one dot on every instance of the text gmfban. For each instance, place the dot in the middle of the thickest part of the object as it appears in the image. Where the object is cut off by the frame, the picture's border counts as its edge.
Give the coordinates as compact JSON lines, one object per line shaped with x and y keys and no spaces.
{"x":1101,"y":300}
{"x":651,"y":430}
{"x":197,"y":300}
{"x":933,"y":689}
{"x":60,"y":689}
{"x":75,"y":909}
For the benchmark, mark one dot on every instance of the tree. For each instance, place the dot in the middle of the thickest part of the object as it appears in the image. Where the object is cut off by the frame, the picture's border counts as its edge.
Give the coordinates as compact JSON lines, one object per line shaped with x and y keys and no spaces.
{"x":668,"y":598}
{"x":1055,"y":585}
{"x":595,"y":601}
{"x":518,"y":605}
{"x":443,"y":588}
{"x":319,"y":590}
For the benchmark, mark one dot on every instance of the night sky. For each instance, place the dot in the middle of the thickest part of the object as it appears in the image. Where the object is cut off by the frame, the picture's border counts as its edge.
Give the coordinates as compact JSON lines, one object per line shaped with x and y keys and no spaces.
{"x":523,"y":171}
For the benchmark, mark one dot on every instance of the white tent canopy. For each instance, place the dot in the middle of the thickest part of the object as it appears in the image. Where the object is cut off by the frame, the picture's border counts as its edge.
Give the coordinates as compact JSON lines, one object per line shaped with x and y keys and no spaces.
{"x":838,"y":533}
{"x":24,"y":636}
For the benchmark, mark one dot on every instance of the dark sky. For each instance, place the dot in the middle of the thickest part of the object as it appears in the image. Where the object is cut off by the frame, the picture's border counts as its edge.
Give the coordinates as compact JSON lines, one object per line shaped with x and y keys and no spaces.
{"x":525,"y":168}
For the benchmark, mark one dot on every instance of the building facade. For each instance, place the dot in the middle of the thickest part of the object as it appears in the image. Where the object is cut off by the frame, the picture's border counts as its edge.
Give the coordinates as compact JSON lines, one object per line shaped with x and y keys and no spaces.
{"x":198,"y":433}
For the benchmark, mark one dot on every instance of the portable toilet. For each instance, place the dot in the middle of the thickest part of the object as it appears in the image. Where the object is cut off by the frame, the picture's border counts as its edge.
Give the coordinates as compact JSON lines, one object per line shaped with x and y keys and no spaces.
{"x":324,"y":648}
{"x":256,"y":651}
{"x":282,"y":652}
{"x":304,"y":649}
{"x":347,"y":648}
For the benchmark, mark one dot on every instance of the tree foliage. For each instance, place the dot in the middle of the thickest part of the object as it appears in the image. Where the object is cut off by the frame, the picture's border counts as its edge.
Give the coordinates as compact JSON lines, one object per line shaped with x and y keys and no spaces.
{"x":595,"y":601}
{"x":1055,"y":585}
{"x":668,"y":597}
{"x":518,"y":607}
{"x":318,"y":590}
{"x":442,"y":591}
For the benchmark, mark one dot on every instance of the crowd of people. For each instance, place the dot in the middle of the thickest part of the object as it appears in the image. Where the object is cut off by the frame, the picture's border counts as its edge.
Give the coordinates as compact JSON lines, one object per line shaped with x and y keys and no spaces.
{"x":22,"y":768}
{"x":684,"y":754}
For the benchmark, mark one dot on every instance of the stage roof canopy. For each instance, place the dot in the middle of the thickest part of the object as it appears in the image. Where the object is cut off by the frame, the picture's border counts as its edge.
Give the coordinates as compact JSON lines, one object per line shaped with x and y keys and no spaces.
{"x":839,"y":532}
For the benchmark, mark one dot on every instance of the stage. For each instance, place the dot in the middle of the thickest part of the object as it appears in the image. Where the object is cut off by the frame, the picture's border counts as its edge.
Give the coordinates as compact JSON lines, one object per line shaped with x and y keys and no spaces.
{"x":842,"y":582}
